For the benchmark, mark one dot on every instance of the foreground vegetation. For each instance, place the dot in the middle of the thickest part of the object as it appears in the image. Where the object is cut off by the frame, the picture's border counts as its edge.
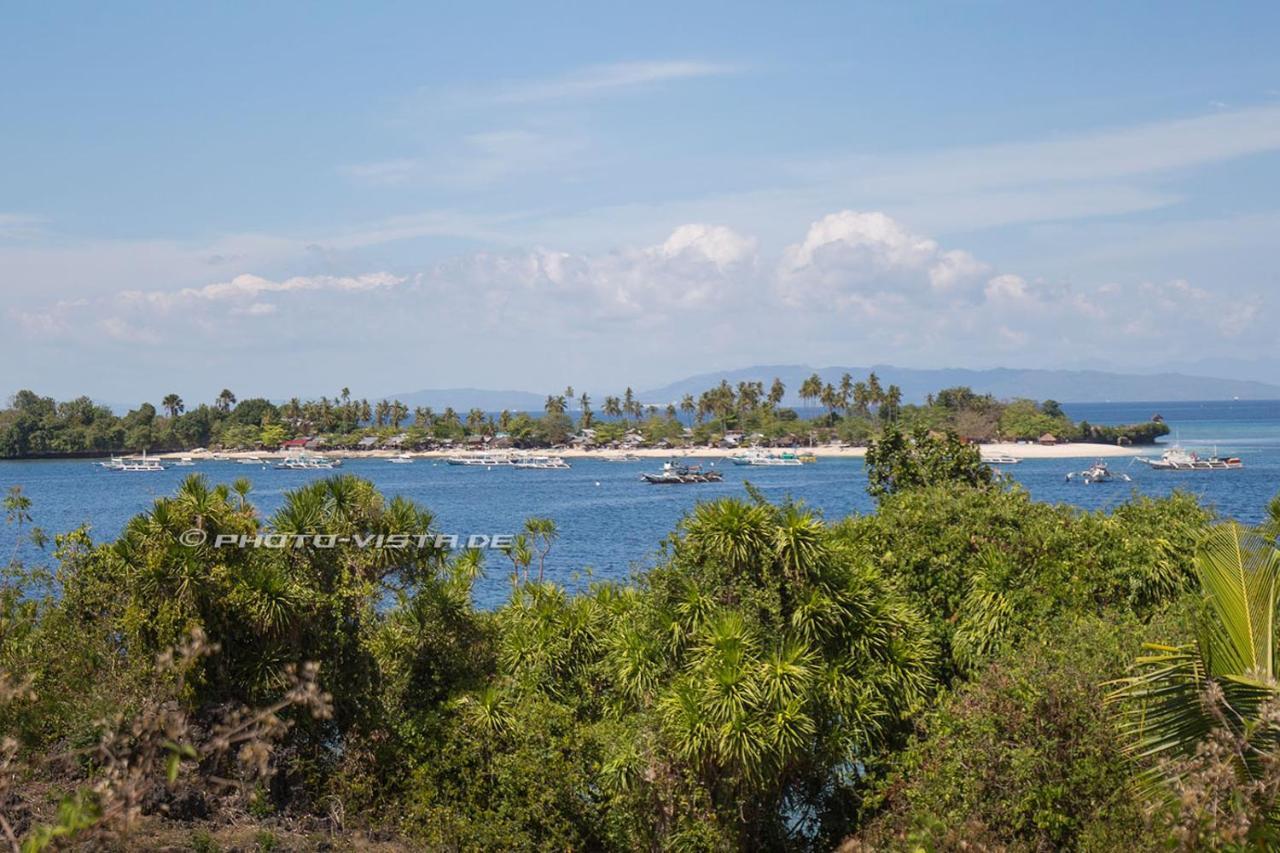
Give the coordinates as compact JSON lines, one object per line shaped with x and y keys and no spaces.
{"x":855,"y":412}
{"x":964,"y":666}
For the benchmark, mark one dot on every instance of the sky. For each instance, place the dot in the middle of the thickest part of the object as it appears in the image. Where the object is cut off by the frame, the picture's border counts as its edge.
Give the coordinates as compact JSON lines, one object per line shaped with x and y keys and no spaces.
{"x":286,"y":199}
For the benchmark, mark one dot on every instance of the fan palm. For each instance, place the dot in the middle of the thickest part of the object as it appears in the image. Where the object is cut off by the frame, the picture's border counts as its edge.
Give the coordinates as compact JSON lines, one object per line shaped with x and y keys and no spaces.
{"x":1166,"y":711}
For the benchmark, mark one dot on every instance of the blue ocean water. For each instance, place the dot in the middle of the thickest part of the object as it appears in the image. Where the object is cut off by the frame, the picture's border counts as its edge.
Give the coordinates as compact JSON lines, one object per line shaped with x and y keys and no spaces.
{"x":611,"y":523}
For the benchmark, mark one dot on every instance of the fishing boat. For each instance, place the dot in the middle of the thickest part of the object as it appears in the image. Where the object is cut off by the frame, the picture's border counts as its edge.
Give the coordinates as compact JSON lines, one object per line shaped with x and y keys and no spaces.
{"x":541,"y":462}
{"x":401,"y":459}
{"x":1098,"y":472}
{"x":140,"y":463}
{"x":486,"y":460}
{"x":1177,"y":459}
{"x":759,"y":457}
{"x":307,"y":462}
{"x":673,"y":474}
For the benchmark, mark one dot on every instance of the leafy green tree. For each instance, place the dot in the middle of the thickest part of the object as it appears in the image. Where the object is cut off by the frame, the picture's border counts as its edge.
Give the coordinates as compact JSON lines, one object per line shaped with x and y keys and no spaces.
{"x":896,"y":462}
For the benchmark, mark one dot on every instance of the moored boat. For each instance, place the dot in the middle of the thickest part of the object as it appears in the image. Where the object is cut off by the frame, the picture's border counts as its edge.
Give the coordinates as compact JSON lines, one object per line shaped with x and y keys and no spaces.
{"x":673,"y":474}
{"x":760,"y":457}
{"x":1177,"y":459}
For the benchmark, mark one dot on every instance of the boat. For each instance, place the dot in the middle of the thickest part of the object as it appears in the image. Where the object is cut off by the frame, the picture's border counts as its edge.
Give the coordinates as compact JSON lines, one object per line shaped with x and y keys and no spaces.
{"x":673,"y":474}
{"x":628,"y":457}
{"x":1002,"y":459}
{"x":759,"y":457}
{"x":140,"y":463}
{"x":1177,"y":459}
{"x":307,"y":462}
{"x":1098,"y":472}
{"x":540,"y":462}
{"x":807,"y":458}
{"x":112,"y":464}
{"x":487,"y":460}
{"x":251,"y":460}
{"x":401,"y":459}
{"x":184,"y":462}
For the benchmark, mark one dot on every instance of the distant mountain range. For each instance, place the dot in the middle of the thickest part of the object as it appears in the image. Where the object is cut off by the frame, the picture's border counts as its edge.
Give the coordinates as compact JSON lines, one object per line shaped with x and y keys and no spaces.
{"x":1067,"y":386}
{"x":464,"y":399}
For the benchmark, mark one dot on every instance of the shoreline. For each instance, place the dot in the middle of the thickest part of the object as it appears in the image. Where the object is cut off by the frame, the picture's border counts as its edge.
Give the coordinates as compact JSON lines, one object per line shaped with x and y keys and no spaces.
{"x":1078,"y":450}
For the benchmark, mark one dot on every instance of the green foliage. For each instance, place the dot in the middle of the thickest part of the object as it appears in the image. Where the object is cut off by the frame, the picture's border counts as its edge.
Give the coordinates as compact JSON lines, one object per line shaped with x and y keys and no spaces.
{"x":1025,"y":756}
{"x":990,"y":566}
{"x":897,"y":462}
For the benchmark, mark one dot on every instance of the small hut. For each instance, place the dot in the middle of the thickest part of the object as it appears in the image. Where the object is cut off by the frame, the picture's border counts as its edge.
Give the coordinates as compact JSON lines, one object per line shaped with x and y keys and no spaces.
{"x":1048,"y":439}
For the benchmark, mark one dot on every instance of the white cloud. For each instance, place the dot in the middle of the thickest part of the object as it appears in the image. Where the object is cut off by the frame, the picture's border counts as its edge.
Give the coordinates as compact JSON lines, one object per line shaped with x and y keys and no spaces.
{"x":860,"y":258}
{"x":858,"y":280}
{"x":606,"y":79}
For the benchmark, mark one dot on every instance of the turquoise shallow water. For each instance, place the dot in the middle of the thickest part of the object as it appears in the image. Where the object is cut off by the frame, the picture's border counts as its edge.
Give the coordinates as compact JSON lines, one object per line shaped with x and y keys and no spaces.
{"x":611,"y":523}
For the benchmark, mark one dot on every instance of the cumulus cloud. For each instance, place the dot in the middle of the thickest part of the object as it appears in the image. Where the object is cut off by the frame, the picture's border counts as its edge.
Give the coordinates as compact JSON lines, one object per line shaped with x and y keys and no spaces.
{"x":856,"y":258}
{"x":855,"y":278}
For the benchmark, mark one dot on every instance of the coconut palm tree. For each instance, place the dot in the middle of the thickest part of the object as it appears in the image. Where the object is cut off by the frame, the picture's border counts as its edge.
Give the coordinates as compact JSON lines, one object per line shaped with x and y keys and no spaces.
{"x":1178,"y":694}
{"x":811,"y":388}
{"x":776,"y":392}
{"x":225,"y":401}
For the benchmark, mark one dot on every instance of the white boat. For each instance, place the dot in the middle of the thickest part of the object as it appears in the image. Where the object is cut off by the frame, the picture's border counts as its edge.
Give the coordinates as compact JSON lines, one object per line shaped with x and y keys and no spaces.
{"x":112,"y":464}
{"x":1098,"y":472}
{"x":487,"y":460}
{"x":140,"y":463}
{"x":1001,"y":459}
{"x":251,"y":460}
{"x":184,"y":462}
{"x":545,"y":462}
{"x":307,"y":462}
{"x":1177,"y":459}
{"x":628,"y":457}
{"x":760,"y":457}
{"x":401,"y":459}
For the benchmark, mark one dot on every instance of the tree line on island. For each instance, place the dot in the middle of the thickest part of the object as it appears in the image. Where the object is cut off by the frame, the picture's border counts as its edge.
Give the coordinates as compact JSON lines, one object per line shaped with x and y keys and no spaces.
{"x":963,"y":668}
{"x":855,"y":412}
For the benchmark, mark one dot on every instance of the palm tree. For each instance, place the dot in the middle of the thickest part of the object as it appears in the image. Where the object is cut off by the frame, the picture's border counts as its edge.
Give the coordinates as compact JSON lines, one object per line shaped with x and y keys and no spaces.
{"x":811,"y":388}
{"x":1179,"y":694}
{"x":861,"y":398}
{"x":225,"y":401}
{"x":584,"y":405}
{"x":554,"y":405}
{"x":568,"y":392}
{"x":846,"y":391}
{"x":776,"y":392}
{"x":612,"y":407}
{"x":874,"y":391}
{"x":172,"y":404}
{"x":688,"y":406}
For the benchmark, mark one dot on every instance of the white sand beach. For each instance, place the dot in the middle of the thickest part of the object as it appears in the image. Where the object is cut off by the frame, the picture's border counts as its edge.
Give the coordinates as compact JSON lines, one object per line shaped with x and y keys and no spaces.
{"x":1079,"y":450}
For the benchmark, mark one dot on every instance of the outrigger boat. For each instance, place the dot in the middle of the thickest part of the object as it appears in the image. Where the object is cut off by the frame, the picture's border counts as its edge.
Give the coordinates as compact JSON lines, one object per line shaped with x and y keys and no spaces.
{"x":307,"y":462}
{"x":1177,"y":459}
{"x":672,"y":474}
{"x":401,"y":459}
{"x":139,"y":463}
{"x":1098,"y":472}
{"x":759,"y":457}
{"x":487,"y":460}
{"x":541,"y":462}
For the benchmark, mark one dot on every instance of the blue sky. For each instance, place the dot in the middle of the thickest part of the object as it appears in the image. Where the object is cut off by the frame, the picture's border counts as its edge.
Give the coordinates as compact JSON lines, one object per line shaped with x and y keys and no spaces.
{"x":288,"y":198}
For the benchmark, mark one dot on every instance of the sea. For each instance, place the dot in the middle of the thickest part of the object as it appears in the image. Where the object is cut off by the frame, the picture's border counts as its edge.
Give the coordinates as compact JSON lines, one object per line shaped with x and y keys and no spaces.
{"x":611,"y":524}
